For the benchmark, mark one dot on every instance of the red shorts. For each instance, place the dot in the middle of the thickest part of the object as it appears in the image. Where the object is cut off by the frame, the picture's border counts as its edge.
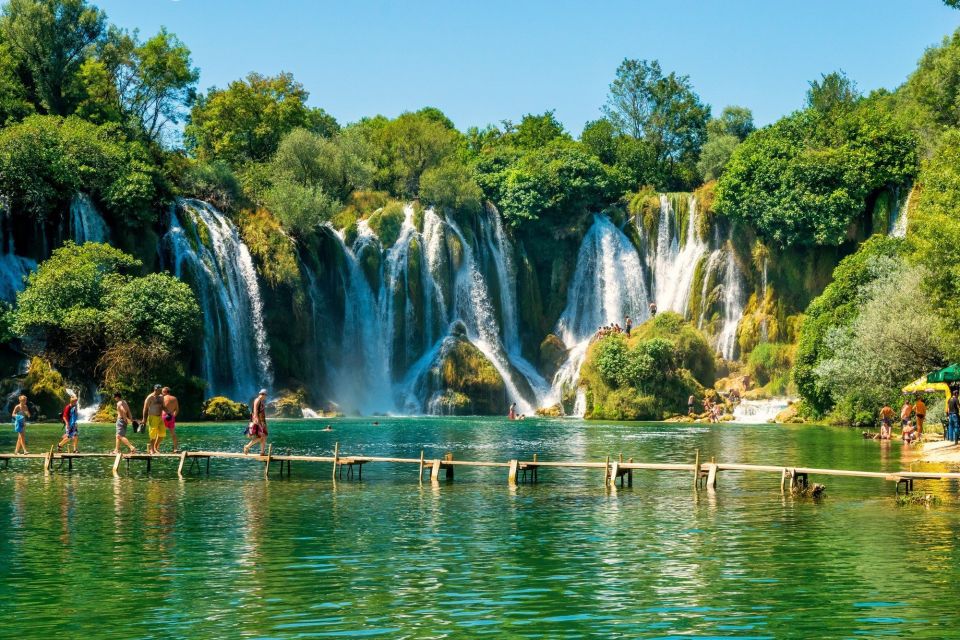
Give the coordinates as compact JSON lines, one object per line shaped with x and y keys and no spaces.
{"x":256,"y":430}
{"x":169,"y":421}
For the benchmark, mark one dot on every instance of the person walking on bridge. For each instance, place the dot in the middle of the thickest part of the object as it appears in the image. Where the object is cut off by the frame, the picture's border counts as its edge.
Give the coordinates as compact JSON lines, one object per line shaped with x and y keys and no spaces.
{"x":152,"y":408}
{"x":69,"y":418}
{"x":124,"y":419}
{"x":20,"y":414}
{"x":171,"y":408}
{"x":257,"y":431}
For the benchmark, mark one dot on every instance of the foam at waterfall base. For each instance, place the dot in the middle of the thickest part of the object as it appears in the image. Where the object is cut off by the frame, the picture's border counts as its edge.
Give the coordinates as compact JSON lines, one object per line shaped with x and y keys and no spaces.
{"x":759,"y":411}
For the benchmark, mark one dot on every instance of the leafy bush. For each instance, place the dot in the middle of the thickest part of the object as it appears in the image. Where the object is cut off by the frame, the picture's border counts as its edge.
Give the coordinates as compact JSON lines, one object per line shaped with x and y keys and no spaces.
{"x":805,"y":178}
{"x":387,"y":222}
{"x":450,"y":185}
{"x":46,"y":160}
{"x":219,"y":408}
{"x":45,"y":388}
{"x":213,"y":182}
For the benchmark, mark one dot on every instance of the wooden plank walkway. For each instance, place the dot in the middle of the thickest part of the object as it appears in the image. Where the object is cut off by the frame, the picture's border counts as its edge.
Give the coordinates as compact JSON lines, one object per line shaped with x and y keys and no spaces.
{"x":704,"y":474}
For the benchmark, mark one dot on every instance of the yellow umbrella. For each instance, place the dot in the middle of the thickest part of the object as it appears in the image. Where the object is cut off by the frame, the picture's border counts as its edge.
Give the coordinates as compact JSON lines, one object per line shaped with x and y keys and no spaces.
{"x":920,"y":385}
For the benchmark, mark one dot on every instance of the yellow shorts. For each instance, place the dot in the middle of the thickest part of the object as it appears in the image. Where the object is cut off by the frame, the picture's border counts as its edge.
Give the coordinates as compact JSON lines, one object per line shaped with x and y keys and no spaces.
{"x":155,"y":428}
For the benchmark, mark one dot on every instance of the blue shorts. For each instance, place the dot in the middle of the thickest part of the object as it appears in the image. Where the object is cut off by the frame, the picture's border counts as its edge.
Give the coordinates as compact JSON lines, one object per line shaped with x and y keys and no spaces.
{"x":72,"y":431}
{"x":19,"y":423}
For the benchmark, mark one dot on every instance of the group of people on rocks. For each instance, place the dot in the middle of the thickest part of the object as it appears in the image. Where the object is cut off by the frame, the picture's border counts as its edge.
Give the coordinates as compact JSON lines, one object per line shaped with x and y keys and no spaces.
{"x":615,"y":328}
{"x":912,"y":417}
{"x":159,"y":415}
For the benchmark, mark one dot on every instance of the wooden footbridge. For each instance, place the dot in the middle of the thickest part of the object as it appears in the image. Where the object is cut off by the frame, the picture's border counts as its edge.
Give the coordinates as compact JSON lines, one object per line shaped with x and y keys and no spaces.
{"x":703,"y":474}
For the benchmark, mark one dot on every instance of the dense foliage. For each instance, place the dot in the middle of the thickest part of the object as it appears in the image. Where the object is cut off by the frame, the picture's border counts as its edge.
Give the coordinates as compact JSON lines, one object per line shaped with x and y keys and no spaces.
{"x":86,"y":312}
{"x":805,"y":179}
{"x":645,"y":376}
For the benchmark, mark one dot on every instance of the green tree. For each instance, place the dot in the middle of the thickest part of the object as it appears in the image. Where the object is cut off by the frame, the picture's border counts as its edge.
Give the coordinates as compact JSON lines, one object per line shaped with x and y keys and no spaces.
{"x":14,"y":98}
{"x":600,"y":137}
{"x":661,"y":109}
{"x":935,"y":85}
{"x":299,"y":208}
{"x":804,"y":179}
{"x":46,"y":160}
{"x":247,"y":120}
{"x":715,"y":155}
{"x":51,"y":39}
{"x":833,"y":91}
{"x":84,"y":310}
{"x":733,"y":121}
{"x":450,"y":185}
{"x":147,"y":85}
{"x":535,"y":131}
{"x":837,"y":307}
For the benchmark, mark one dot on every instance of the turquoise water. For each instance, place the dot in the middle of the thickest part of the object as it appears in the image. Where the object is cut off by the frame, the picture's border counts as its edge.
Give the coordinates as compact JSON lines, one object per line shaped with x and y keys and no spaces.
{"x":231,"y":555}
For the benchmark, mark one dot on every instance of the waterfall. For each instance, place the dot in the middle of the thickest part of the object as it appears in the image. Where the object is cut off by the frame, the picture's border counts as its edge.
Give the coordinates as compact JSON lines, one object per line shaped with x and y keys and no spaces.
{"x":607,"y":285}
{"x":13,"y":268}
{"x":86,"y":223}
{"x":764,"y":335}
{"x":402,"y":302}
{"x":901,"y":213}
{"x":204,"y":248}
{"x":759,"y":411}
{"x":733,"y":303}
{"x":675,"y":258}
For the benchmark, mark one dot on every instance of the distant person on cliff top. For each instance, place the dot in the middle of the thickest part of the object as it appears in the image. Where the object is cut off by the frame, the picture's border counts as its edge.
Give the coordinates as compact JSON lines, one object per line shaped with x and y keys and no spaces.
{"x":171,"y":408}
{"x":920,"y":409}
{"x":512,"y":414}
{"x":257,"y":430}
{"x":69,"y":418}
{"x":953,"y":418}
{"x":152,"y":408}
{"x":124,"y":419}
{"x":20,"y":415}
{"x":886,"y":422}
{"x":628,"y":325}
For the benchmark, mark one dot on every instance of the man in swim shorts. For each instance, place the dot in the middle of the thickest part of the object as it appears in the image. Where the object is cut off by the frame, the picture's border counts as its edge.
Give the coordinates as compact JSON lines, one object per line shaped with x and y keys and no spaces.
{"x":123,"y":420}
{"x":257,"y":430}
{"x":152,"y":408}
{"x":171,"y":407}
{"x":920,"y":409}
{"x":69,"y":418}
{"x":886,"y":422}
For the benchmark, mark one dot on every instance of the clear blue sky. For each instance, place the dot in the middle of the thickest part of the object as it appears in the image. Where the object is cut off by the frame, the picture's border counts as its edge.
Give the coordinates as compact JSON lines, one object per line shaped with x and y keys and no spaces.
{"x":484,"y":61}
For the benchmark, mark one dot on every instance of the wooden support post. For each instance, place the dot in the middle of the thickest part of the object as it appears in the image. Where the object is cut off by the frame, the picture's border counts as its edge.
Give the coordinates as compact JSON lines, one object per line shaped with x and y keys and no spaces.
{"x":420,"y":476}
{"x":435,"y":472}
{"x":48,"y":460}
{"x":69,"y":464}
{"x":149,"y":460}
{"x":712,"y":476}
{"x":614,"y":472}
{"x":208,"y":465}
{"x":783,"y":478}
{"x":449,"y":471}
{"x":535,"y":469}
{"x":116,"y":463}
{"x":336,"y":457}
{"x":630,"y":475}
{"x":183,"y":459}
{"x":512,"y":473}
{"x":606,"y":472}
{"x":696,"y":471}
{"x":266,"y":468}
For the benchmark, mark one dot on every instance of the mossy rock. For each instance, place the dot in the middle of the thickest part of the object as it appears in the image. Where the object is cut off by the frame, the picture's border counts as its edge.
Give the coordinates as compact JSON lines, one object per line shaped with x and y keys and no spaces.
{"x":289,"y":404}
{"x":452,"y":403}
{"x":45,"y":388}
{"x":553,"y":353}
{"x":462,"y":368}
{"x":556,"y":411}
{"x":455,"y":251}
{"x":644,"y":206}
{"x":220,"y":408}
{"x":387,"y":223}
{"x":369,"y":258}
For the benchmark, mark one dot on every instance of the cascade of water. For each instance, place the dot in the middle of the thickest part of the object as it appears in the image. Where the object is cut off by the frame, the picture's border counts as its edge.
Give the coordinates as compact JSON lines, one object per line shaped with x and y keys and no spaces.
{"x":759,"y":411}
{"x":607,"y":285}
{"x":732,"y":306}
{"x":13,"y":268}
{"x":209,"y":253}
{"x":898,"y":223}
{"x":86,"y":223}
{"x":674,"y":262}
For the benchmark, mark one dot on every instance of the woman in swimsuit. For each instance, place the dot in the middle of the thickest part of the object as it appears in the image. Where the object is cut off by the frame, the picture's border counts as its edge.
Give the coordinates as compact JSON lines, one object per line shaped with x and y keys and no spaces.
{"x":20,"y":415}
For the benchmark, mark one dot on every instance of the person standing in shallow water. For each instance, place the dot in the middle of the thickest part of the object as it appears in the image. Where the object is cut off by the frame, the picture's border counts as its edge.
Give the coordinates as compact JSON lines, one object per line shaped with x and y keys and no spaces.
{"x":171,"y":408}
{"x":886,"y":422}
{"x":257,"y":431}
{"x":124,"y":418}
{"x":627,"y":326}
{"x":920,"y":409}
{"x":20,"y":415}
{"x":512,"y":414}
{"x":69,"y":418}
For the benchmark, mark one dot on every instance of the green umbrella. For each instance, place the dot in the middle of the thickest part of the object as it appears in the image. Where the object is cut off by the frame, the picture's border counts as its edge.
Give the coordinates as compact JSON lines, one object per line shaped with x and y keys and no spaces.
{"x":948,"y":374}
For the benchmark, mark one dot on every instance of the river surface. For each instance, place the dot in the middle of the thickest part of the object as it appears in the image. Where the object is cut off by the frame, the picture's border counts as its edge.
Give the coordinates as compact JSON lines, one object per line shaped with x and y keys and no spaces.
{"x":232,"y":555}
